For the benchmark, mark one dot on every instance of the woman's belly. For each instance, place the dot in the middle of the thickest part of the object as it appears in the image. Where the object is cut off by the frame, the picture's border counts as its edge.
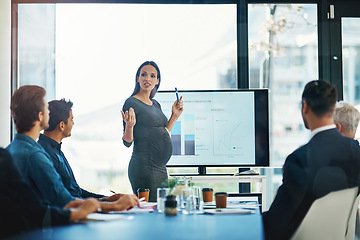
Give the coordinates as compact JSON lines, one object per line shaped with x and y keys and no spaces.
{"x":154,"y":148}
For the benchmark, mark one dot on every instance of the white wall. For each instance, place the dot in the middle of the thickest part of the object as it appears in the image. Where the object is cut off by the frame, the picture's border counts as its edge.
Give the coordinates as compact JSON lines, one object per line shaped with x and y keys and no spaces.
{"x":5,"y":26}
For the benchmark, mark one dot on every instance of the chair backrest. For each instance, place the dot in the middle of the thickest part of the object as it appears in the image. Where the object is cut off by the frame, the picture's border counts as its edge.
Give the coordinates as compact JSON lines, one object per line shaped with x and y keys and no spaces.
{"x":352,"y":220}
{"x":330,"y":217}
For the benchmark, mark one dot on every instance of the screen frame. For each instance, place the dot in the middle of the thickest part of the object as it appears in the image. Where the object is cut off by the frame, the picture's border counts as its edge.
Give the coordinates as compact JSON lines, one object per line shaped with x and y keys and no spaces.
{"x":259,"y":94}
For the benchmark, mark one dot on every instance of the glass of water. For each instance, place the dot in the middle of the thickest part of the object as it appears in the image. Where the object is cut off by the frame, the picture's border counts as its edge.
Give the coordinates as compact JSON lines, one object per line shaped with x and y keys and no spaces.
{"x":161,"y":197}
{"x":187,"y":201}
{"x":197,"y":195}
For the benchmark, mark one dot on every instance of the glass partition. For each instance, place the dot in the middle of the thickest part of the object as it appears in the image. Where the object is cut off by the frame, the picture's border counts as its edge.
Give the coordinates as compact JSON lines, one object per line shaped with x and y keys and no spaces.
{"x":351,"y":61}
{"x":283,"y":57}
{"x":36,"y":46}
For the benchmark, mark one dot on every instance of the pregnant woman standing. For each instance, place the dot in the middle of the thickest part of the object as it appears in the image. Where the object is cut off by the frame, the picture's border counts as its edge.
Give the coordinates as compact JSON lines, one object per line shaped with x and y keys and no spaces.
{"x":146,"y":125}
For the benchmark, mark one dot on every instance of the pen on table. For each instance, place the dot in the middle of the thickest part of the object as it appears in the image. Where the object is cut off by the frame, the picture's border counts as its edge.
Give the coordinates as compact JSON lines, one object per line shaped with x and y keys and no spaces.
{"x":113,"y":192}
{"x":177,"y":95}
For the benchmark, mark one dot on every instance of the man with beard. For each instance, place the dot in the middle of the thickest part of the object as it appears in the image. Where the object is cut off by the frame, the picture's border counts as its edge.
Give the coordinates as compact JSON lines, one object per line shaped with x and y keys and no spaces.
{"x":29,"y":110}
{"x":61,"y":123}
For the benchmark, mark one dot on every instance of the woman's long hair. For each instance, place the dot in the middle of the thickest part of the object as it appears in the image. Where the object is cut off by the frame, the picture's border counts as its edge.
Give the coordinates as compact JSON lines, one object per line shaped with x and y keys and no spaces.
{"x":137,"y":85}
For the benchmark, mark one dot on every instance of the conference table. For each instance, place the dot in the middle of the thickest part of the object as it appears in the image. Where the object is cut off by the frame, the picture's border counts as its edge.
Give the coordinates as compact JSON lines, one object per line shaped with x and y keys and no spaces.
{"x":156,"y":225}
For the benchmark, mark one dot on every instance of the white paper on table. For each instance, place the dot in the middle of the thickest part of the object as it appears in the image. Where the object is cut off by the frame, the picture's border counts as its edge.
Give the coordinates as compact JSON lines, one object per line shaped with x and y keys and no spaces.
{"x":221,"y":211}
{"x":209,"y":205}
{"x":102,"y":217}
{"x":134,"y":210}
{"x":148,"y":204}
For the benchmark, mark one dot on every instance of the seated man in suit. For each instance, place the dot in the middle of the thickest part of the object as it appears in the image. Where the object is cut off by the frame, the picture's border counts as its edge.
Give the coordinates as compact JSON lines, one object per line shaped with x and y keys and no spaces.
{"x":326,"y":149}
{"x":346,"y":119}
{"x":29,"y":110}
{"x":23,"y":210}
{"x":60,"y":125}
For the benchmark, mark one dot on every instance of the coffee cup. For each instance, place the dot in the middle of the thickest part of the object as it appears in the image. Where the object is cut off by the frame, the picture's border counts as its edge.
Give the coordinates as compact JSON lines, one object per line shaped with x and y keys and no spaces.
{"x":207,"y":194}
{"x":221,"y":198}
{"x":143,"y":193}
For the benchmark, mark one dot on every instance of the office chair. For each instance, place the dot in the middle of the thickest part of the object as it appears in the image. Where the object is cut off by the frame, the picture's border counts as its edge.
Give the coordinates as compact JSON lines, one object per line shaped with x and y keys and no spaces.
{"x":330,"y":217}
{"x":352,"y":220}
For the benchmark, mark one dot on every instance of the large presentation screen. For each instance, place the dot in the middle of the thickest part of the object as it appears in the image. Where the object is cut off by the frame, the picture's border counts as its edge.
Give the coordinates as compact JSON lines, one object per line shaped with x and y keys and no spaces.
{"x":219,"y":128}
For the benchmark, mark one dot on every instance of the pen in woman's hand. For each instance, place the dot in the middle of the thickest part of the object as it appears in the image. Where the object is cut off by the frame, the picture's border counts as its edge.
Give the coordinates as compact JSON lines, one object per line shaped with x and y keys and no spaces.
{"x":177,"y":95}
{"x":113,"y":191}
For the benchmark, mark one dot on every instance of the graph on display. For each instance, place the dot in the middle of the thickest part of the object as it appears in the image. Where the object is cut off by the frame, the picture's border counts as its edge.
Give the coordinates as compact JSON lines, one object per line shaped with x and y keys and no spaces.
{"x":184,"y":141}
{"x":176,"y":138}
{"x":215,"y":128}
{"x":189,"y":132}
{"x":229,"y":138}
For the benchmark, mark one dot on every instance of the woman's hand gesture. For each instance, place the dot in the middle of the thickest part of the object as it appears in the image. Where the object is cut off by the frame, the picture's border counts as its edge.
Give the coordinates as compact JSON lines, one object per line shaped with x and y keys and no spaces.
{"x":129,"y":117}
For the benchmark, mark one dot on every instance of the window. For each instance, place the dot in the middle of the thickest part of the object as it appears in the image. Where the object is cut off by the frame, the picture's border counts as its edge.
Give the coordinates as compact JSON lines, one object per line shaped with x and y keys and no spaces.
{"x":89,"y":53}
{"x":351,"y":62}
{"x":36,"y":46}
{"x":351,"y":59}
{"x":283,"y":57}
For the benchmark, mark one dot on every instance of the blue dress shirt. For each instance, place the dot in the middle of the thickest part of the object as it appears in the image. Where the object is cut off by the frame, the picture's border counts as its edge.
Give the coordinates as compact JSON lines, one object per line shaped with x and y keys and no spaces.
{"x":53,"y":148}
{"x":35,"y":165}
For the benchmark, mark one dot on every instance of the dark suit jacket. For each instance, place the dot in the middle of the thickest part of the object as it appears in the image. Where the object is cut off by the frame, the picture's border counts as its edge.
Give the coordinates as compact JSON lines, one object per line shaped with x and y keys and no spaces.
{"x":21,"y":208}
{"x":328,"y":162}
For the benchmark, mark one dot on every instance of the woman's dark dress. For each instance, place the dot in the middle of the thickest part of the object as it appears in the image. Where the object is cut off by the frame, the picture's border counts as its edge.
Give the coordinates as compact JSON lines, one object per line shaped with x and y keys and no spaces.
{"x":152,"y":146}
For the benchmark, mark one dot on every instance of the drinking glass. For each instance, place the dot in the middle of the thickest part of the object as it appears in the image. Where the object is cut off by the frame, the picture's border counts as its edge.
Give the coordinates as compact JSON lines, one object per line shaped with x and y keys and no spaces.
{"x":187,"y":201}
{"x":197,"y":195}
{"x":161,"y":197}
